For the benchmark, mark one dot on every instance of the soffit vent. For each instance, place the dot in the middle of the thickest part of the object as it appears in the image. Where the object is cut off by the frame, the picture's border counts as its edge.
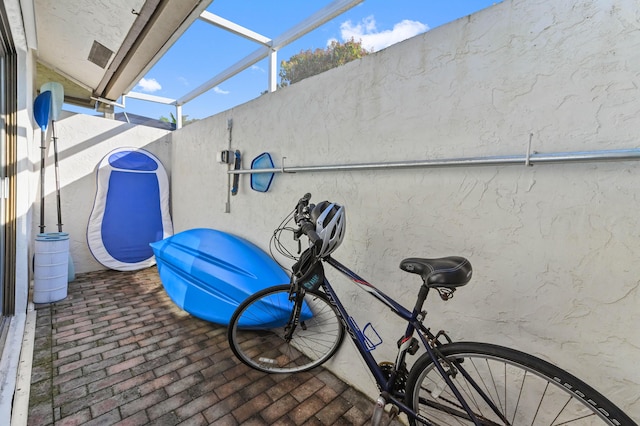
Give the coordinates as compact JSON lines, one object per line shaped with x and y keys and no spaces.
{"x":99,"y":54}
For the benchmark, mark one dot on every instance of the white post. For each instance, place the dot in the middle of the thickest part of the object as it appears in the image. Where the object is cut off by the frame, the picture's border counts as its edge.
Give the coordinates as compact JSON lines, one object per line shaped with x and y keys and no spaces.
{"x":178,"y":116}
{"x":273,"y":71}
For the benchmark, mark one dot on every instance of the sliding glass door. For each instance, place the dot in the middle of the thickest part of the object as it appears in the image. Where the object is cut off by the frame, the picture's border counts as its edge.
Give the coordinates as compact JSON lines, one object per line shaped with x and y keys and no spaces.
{"x":8,"y":166}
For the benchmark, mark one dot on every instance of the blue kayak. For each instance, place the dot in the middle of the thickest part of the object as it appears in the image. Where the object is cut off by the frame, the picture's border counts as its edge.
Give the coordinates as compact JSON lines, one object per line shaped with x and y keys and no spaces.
{"x":208,"y":273}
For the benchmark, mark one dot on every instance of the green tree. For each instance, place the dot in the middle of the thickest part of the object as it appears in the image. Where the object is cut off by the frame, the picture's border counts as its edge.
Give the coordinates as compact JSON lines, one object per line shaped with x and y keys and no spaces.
{"x":309,"y":63}
{"x":173,"y":120}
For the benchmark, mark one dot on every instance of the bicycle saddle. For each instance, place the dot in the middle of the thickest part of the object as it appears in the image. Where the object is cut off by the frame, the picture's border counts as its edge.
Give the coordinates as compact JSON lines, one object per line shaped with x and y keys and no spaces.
{"x":447,"y":272}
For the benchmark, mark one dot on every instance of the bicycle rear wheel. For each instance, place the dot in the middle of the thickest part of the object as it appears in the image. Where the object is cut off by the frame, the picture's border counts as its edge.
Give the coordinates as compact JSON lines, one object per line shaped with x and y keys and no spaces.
{"x":257,"y":331}
{"x":523,"y":390}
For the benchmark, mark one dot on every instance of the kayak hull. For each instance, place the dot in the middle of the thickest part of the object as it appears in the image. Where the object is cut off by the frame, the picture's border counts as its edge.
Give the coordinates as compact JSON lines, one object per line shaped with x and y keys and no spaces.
{"x":208,"y":273}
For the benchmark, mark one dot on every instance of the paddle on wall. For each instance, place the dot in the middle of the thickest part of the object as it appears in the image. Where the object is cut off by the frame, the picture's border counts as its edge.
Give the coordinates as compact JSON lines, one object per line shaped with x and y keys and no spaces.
{"x":236,"y":166}
{"x":57,"y":96}
{"x":41,"y":111}
{"x":57,"y":99}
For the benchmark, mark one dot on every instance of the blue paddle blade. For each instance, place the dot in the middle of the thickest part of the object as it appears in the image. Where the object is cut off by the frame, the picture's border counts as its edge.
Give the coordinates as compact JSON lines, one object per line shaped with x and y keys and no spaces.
{"x":41,"y":109}
{"x":261,"y":182}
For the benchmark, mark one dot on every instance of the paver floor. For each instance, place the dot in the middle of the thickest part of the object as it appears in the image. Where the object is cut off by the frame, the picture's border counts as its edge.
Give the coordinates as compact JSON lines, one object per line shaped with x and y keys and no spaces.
{"x":118,"y":351}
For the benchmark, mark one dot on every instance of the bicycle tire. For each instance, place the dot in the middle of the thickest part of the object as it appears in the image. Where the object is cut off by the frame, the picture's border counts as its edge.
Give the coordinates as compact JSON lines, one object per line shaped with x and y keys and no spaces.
{"x":525,"y":389}
{"x":256,"y":331}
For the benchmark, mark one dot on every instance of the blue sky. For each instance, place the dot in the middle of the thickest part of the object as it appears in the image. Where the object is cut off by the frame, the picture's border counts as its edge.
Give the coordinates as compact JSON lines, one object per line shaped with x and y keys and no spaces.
{"x":205,"y":50}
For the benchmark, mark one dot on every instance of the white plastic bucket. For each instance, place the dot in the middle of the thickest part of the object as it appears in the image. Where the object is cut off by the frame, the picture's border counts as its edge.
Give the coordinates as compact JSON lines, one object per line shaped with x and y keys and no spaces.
{"x":51,"y":267}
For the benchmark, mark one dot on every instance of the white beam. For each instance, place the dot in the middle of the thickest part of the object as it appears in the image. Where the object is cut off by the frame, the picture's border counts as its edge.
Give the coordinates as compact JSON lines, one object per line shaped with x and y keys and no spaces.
{"x":319,"y":18}
{"x":188,"y":21}
{"x":314,"y":21}
{"x":234,"y":28}
{"x":110,"y":102}
{"x":241,"y":65}
{"x":29,"y":22}
{"x":150,"y":98}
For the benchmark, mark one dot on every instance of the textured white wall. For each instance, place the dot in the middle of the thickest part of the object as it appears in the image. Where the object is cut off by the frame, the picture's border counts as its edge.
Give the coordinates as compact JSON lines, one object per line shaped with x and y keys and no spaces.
{"x":83,"y":141}
{"x":554,"y":247}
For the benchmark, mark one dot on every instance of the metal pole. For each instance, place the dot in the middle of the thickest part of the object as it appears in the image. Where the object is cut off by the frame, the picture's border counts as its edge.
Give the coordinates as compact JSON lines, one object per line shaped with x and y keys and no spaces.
{"x":505,"y":160}
{"x":178,"y":117}
{"x":273,"y":71}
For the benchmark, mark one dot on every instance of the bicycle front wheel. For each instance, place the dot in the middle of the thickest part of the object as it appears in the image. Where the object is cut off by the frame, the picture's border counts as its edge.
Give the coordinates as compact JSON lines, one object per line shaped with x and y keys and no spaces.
{"x":257,"y":331}
{"x":503,"y":386}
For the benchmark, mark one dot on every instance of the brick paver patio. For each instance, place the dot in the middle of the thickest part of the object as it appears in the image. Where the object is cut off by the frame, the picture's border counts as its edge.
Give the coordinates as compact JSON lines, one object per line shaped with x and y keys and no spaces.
{"x":118,"y":351}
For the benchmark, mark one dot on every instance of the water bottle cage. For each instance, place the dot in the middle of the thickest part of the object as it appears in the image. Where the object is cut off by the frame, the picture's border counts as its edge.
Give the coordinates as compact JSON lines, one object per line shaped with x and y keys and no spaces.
{"x":368,"y":335}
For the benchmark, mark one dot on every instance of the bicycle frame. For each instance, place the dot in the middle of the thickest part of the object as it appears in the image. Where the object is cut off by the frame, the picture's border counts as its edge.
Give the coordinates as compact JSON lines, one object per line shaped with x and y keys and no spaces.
{"x":482,"y":372}
{"x":414,"y":322}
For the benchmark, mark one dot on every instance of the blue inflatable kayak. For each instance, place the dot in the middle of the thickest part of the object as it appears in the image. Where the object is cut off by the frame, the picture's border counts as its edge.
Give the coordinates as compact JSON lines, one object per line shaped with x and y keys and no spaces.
{"x":208,"y":273}
{"x":131,"y":209}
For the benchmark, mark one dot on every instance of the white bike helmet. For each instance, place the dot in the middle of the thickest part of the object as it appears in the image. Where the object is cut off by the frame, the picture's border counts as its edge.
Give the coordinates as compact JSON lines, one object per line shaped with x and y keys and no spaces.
{"x":331,"y":225}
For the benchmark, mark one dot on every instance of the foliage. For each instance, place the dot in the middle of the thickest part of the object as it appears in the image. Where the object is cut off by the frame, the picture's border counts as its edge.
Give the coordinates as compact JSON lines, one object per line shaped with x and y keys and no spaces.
{"x":173,"y":120}
{"x":309,"y":63}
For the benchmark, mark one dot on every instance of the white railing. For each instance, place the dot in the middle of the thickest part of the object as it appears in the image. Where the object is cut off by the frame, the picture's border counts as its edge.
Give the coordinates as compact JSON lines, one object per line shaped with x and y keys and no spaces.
{"x":269,"y":48}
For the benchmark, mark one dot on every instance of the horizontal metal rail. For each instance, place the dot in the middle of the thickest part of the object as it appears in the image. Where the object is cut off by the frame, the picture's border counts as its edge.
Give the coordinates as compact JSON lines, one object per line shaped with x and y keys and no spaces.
{"x":504,"y":160}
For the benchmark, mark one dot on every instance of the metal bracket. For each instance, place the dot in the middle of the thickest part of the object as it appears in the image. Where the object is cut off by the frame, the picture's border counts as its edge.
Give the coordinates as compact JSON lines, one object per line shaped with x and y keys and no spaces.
{"x":227,"y":205}
{"x":527,"y":161}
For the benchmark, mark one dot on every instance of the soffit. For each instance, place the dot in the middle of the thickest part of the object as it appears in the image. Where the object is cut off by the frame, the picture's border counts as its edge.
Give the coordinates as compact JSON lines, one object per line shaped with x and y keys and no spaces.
{"x":101,"y":48}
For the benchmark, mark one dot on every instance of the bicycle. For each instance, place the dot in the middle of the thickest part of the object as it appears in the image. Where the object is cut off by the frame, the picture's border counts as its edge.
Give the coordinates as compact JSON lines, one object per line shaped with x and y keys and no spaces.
{"x":298,"y":326}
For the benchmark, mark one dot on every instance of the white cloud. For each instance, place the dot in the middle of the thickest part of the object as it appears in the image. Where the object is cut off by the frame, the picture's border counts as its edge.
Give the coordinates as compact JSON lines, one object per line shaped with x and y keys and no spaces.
{"x":219,"y":91}
{"x":372,"y":39}
{"x":149,"y":85}
{"x":257,"y":68}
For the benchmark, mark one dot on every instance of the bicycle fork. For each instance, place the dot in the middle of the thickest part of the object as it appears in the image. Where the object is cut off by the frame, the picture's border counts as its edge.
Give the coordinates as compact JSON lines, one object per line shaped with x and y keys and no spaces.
{"x":294,"y":318}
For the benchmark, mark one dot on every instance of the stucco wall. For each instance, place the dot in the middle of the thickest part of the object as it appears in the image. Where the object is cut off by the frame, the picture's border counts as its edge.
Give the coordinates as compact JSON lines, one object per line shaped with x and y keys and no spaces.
{"x":83,"y":141}
{"x":554,"y":247}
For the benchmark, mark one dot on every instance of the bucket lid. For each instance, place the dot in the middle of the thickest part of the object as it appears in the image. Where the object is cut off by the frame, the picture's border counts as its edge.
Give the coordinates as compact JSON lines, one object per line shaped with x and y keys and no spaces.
{"x":52,"y":236}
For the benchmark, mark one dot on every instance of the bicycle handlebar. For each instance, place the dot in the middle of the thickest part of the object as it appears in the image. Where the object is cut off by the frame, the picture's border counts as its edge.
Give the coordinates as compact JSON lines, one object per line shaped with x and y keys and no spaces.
{"x":302,"y":203}
{"x":306,"y":226}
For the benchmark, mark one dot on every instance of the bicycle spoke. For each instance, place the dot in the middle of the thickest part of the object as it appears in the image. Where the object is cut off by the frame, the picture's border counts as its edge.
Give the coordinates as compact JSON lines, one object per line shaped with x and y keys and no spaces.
{"x":540,"y":403}
{"x":452,"y":406}
{"x":484,"y":400}
{"x":257,"y":331}
{"x":497,"y":386}
{"x":580,"y":419}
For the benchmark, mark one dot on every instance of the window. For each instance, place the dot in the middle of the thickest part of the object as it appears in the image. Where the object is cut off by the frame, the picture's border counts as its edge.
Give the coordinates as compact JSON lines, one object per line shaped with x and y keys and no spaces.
{"x":8,"y":166}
